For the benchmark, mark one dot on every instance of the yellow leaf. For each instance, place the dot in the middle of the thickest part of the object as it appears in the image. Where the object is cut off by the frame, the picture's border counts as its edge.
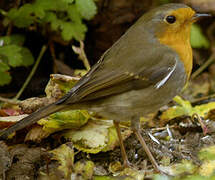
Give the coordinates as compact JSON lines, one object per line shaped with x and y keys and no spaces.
{"x":95,"y":136}
{"x":65,"y":156}
{"x":84,"y":168}
{"x":207,"y":168}
{"x":65,"y":120}
{"x":185,"y":108}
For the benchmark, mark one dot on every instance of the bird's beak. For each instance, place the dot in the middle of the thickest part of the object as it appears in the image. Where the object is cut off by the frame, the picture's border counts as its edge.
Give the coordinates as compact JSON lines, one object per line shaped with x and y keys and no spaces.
{"x":197,"y":16}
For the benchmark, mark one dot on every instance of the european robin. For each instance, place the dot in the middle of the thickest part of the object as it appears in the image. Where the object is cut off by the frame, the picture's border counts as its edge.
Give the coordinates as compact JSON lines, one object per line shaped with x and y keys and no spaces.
{"x":142,"y":71}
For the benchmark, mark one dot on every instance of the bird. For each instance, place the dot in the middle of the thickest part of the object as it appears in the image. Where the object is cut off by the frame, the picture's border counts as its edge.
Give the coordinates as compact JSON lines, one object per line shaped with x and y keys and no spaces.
{"x":141,"y":72}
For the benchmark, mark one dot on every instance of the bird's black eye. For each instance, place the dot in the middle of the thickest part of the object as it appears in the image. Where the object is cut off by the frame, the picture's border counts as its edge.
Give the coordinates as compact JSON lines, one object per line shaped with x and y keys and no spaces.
{"x":170,"y":19}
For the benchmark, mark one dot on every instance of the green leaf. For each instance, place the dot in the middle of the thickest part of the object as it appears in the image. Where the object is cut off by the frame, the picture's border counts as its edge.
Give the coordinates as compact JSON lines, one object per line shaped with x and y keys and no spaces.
{"x":5,"y":78}
{"x":65,"y":120}
{"x":39,"y":12}
{"x":74,"y":14}
{"x":27,"y":57}
{"x":45,"y":5}
{"x":22,"y":17}
{"x":3,"y":66}
{"x":69,"y":30}
{"x":197,"y":38}
{"x":16,"y":39}
{"x":68,"y":1}
{"x":13,"y":54}
{"x":87,"y":8}
{"x":161,"y":177}
{"x":52,"y":19}
{"x":207,"y":153}
{"x":185,"y":108}
{"x":73,"y":30}
{"x":51,"y":5}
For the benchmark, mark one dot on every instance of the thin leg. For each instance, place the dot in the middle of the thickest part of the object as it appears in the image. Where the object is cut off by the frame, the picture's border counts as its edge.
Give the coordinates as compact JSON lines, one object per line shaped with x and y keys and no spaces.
{"x":135,"y":128}
{"x":122,"y":147}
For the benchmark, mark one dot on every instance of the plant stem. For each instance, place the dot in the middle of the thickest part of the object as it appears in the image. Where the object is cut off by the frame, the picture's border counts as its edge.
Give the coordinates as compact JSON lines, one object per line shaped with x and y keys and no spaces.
{"x":204,"y":66}
{"x":42,"y":51}
{"x":9,"y":101}
{"x":82,"y":55}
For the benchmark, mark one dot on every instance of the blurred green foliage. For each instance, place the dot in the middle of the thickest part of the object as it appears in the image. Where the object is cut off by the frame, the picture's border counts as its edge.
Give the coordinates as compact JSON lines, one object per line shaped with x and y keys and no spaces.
{"x":12,"y":54}
{"x":65,"y":17}
{"x":197,"y":38}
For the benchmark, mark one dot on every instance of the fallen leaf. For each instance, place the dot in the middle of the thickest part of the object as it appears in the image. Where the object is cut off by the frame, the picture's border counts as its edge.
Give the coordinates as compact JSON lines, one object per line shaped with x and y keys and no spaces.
{"x":5,"y":159}
{"x":32,"y":104}
{"x":9,"y":120}
{"x":207,"y":168}
{"x":59,"y":85}
{"x":25,"y":161}
{"x":185,"y":108}
{"x":95,"y":136}
{"x":65,"y":156}
{"x":36,"y":134}
{"x":207,"y":155}
{"x":84,"y":168}
{"x":72,"y":119}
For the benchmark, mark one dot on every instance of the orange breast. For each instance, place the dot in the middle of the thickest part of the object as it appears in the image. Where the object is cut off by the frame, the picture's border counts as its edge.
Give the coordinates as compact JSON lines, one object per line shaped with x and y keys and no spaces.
{"x":180,"y":43}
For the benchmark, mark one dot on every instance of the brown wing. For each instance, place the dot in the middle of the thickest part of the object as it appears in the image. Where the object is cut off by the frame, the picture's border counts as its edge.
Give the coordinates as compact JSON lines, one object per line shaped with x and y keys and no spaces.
{"x":103,"y":81}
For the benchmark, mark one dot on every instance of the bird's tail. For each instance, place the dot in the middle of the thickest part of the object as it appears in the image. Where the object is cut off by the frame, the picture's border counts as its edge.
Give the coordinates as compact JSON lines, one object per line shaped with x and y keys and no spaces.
{"x":32,"y":118}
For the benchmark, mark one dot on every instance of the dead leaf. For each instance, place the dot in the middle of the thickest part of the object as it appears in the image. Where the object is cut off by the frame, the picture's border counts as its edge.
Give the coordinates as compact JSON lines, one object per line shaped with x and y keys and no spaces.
{"x":59,"y":85}
{"x":207,"y":155}
{"x":65,"y":156}
{"x":84,"y":169}
{"x":95,"y":136}
{"x":185,"y":108}
{"x":25,"y":162}
{"x":72,"y":119}
{"x":36,"y":134}
{"x":9,"y":120}
{"x":32,"y":104}
{"x":5,"y":159}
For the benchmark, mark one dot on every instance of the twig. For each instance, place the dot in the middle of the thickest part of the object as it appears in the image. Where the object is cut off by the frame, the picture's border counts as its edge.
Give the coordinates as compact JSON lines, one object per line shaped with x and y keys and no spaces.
{"x":203,"y":126}
{"x":203,"y":98}
{"x":9,"y":101}
{"x":42,"y":51}
{"x":82,"y":55}
{"x":204,"y":66}
{"x":52,"y":51}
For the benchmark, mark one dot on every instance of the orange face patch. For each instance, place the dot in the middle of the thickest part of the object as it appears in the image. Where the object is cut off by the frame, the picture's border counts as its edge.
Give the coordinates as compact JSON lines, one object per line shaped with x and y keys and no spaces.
{"x":177,"y":36}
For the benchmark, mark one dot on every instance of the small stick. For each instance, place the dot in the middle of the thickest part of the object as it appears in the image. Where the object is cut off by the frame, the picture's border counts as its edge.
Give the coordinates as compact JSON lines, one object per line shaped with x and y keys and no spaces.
{"x":203,"y":126}
{"x":82,"y":55}
{"x":204,"y":66}
{"x":42,"y":51}
{"x":9,"y":101}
